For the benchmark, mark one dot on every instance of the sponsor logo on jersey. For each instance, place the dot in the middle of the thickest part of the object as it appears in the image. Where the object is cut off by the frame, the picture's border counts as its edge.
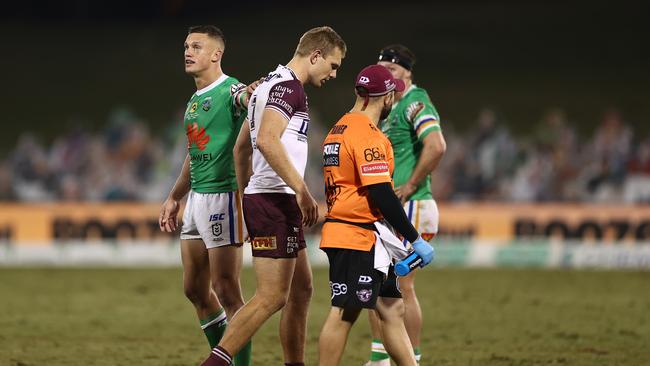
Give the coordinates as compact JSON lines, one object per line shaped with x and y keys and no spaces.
{"x":364,"y":295}
{"x":373,"y":154}
{"x":379,"y":168}
{"x":206,"y":104}
{"x":338,"y":288}
{"x":201,"y":157}
{"x":197,"y":136}
{"x":338,"y":129}
{"x":413,"y":109}
{"x":264,"y":243}
{"x":194,"y":106}
{"x":331,"y":154}
{"x":234,"y":88}
{"x":365,"y":279}
{"x":217,"y":229}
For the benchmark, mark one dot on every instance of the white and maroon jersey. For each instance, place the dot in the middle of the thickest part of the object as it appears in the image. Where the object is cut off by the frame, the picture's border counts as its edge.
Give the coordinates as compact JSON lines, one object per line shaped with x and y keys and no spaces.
{"x":282,"y":92}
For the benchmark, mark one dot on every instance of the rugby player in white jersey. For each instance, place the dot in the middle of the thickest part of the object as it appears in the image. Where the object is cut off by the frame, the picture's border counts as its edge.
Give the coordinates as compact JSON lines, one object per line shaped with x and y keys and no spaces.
{"x":277,"y":203}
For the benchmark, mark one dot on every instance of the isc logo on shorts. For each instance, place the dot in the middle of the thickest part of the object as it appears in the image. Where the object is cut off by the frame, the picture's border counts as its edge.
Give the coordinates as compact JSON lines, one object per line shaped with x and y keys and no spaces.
{"x":264,"y":243}
{"x":338,"y":288}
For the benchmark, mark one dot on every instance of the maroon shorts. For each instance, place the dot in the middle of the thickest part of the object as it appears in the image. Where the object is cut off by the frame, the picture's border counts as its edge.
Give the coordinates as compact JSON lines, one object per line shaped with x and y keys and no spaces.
{"x":274,"y":224}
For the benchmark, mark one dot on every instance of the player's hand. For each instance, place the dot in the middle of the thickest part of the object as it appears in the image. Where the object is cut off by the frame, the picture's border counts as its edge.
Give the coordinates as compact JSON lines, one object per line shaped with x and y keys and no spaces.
{"x":308,"y":207}
{"x":405,"y":191}
{"x":167,"y":221}
{"x":252,"y":86}
{"x":424,"y":250}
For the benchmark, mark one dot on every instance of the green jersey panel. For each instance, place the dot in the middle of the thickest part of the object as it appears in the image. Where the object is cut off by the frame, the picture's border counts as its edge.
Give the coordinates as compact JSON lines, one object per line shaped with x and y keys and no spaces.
{"x":212,"y":121}
{"x":412,"y":118}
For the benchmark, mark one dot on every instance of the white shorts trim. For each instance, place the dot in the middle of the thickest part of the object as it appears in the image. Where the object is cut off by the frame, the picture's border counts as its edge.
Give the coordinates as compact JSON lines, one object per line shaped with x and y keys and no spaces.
{"x":215,"y":218}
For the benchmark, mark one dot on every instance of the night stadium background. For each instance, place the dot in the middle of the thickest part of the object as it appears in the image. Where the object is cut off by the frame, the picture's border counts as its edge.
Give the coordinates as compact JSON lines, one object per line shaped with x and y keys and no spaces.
{"x":543,"y":250}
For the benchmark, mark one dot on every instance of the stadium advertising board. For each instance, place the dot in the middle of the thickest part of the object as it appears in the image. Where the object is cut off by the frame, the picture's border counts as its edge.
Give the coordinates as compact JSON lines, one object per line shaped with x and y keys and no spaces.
{"x":43,"y":223}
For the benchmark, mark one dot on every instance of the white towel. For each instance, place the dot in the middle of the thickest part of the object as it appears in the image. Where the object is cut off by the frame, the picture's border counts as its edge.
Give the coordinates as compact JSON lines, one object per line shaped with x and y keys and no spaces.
{"x":387,"y":247}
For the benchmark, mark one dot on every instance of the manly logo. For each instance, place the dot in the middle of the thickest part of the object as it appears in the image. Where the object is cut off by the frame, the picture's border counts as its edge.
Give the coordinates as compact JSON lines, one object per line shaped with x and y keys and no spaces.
{"x":364,"y":80}
{"x":217,"y":229}
{"x":331,"y":154}
{"x":338,"y":288}
{"x":364,"y":295}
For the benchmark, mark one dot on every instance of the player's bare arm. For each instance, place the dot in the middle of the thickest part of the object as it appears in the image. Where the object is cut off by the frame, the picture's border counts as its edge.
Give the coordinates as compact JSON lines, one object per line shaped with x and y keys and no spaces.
{"x":434,"y":147}
{"x":269,"y":143}
{"x":243,"y":153}
{"x":168,"y":219}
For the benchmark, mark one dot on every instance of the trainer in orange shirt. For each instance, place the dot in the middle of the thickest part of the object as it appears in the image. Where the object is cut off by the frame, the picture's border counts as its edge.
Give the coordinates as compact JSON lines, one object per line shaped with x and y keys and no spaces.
{"x":357,"y":168}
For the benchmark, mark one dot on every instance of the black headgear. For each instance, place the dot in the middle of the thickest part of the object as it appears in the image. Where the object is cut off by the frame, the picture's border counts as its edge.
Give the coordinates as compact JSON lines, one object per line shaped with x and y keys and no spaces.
{"x":396,"y":57}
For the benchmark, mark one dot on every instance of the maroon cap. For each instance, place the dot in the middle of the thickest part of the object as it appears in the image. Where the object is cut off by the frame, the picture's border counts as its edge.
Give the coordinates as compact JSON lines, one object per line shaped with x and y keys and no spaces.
{"x":378,"y":81}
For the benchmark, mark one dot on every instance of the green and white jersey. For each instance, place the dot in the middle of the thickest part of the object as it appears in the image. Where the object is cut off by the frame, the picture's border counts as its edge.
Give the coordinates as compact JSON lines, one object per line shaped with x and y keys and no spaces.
{"x":412,"y":118}
{"x":212,"y":121}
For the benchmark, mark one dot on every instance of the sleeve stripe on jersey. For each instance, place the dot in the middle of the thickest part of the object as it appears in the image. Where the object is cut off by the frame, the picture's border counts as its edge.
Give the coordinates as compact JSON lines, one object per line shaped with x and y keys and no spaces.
{"x":279,"y":110}
{"x":239,"y":98}
{"x":427,"y":126}
{"x":425,"y":118}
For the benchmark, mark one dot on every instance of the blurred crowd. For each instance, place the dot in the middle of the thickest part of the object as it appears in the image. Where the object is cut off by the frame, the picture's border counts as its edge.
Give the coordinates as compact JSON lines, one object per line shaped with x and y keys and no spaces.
{"x":127,"y":161}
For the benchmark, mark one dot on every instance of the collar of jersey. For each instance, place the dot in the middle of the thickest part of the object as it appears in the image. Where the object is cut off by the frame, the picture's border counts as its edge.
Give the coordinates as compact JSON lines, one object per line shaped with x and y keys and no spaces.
{"x":213,"y":85}
{"x":403,"y":95}
{"x":288,"y":68}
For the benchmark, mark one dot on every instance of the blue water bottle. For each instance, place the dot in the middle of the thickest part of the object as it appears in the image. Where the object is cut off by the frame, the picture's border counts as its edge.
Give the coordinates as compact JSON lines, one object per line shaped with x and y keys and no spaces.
{"x":406,"y":265}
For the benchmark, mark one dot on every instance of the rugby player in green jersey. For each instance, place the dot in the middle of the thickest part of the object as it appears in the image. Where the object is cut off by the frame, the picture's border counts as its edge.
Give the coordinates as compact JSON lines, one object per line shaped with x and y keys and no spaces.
{"x":213,"y":227}
{"x":413,"y":128}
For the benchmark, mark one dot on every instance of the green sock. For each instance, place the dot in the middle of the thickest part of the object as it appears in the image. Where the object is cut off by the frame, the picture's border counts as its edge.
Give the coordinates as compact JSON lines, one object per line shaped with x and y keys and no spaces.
{"x":243,"y":357}
{"x":214,"y":326}
{"x":378,"y":352}
{"x":417,"y":353}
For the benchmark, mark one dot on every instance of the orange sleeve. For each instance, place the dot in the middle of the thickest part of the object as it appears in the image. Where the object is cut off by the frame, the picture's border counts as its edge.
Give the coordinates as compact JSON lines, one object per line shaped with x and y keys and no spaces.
{"x":370,"y":157}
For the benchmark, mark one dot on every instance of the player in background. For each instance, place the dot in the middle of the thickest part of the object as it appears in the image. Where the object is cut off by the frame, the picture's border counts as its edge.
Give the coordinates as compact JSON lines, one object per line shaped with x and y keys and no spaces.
{"x":413,"y":128}
{"x":213,"y":229}
{"x":277,"y":203}
{"x":357,"y":168}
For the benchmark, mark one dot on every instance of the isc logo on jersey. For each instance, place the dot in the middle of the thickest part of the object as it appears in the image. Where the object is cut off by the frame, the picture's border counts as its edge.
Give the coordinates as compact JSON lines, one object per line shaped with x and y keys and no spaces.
{"x":331,"y":154}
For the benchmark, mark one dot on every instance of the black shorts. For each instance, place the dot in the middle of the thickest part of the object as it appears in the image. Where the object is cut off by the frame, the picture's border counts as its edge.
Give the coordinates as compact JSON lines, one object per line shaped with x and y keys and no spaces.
{"x":274,"y":224}
{"x":354,"y":282}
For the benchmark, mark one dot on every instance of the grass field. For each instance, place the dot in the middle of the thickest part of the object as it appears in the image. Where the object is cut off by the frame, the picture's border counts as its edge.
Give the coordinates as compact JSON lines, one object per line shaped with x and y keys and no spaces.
{"x":473,"y":317}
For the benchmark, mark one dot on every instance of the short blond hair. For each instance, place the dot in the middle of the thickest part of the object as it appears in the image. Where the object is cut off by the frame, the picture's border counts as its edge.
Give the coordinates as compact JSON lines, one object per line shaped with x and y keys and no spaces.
{"x":323,"y":38}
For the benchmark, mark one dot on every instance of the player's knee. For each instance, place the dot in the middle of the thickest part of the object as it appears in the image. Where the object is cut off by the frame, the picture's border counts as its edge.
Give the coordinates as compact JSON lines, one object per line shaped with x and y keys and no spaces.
{"x":196,"y":296}
{"x":302,"y":293}
{"x":228,"y":293}
{"x":393,"y":313}
{"x":273,"y":302}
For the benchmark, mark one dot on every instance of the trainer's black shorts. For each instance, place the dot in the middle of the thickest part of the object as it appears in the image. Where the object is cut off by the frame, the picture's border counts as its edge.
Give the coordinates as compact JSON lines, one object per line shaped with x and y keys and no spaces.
{"x":354,"y":282}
